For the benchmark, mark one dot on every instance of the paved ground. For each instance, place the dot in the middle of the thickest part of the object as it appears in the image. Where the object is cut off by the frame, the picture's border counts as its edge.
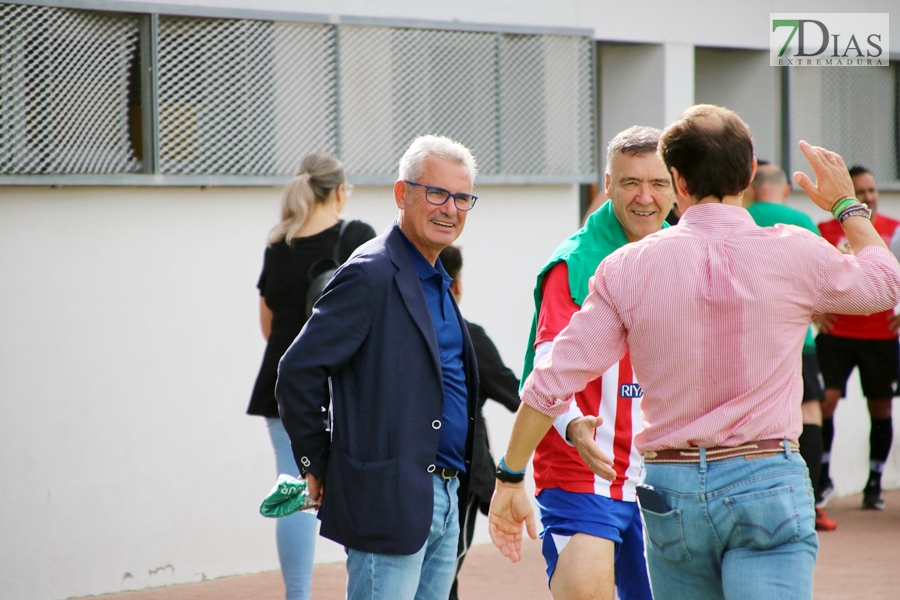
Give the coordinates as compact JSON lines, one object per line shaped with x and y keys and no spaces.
{"x":859,"y":560}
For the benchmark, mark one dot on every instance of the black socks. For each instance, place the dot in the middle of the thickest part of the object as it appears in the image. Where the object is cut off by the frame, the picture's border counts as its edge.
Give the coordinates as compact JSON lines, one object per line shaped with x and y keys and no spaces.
{"x":880,"y":437}
{"x":827,"y":439}
{"x":811,"y":448}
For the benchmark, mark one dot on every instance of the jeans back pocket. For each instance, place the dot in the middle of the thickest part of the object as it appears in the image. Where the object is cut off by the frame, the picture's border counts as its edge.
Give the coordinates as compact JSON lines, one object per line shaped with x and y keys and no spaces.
{"x":765,"y":519}
{"x":665,"y":535}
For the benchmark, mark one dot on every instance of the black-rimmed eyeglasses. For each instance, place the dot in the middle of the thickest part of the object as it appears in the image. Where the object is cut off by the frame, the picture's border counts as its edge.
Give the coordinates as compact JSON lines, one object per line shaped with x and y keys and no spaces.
{"x":439,"y":196}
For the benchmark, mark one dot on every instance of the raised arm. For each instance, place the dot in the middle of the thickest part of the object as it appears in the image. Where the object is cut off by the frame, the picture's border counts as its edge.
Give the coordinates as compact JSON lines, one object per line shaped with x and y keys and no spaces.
{"x":869,"y":280}
{"x":833,"y":184}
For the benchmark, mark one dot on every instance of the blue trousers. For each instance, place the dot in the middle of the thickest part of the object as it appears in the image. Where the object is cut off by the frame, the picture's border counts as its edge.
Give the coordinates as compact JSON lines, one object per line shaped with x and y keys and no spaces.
{"x":294,"y":534}
{"x":736,"y":529}
{"x":425,"y":575}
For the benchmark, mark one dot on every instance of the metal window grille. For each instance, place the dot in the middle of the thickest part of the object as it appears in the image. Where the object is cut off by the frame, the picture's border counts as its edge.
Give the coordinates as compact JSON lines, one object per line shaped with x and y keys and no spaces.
{"x":241,"y":97}
{"x":237,"y":99}
{"x":853,"y":111}
{"x":522,"y":103}
{"x":64,"y":91}
{"x":421,"y":81}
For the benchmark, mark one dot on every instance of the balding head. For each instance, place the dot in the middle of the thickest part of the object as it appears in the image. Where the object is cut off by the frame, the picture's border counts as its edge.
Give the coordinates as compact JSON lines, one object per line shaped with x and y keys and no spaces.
{"x":712,"y":150}
{"x":770,"y":184}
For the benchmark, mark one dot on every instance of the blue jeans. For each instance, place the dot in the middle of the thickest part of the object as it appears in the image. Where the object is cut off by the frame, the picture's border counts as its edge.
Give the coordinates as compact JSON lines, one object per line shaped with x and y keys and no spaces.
{"x":735,"y":529}
{"x":425,"y":575}
{"x":294,"y":534}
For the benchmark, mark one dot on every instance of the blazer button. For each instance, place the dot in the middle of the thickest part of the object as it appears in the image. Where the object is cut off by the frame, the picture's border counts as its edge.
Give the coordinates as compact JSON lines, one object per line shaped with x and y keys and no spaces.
{"x":305,"y":461}
{"x":435,"y":424}
{"x":431,"y":468}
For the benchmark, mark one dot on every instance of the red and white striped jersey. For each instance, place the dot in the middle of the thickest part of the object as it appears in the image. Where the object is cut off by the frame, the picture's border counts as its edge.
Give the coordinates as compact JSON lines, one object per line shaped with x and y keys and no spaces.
{"x":615,"y":397}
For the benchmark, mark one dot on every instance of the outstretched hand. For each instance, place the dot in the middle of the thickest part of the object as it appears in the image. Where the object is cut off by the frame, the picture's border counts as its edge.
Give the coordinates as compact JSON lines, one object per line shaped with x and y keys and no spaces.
{"x":581,"y":432}
{"x":510,"y":506}
{"x":832,"y":178}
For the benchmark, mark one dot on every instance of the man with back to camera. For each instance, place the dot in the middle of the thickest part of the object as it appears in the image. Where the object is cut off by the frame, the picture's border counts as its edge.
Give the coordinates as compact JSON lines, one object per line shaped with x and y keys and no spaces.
{"x":728,"y":510}
{"x":387,"y":339}
{"x":770,"y":189}
{"x":592,"y":536}
{"x":868,"y":342}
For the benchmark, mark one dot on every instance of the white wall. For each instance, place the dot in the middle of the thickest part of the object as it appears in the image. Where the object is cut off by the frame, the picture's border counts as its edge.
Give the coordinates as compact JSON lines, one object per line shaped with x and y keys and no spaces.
{"x":130,"y":344}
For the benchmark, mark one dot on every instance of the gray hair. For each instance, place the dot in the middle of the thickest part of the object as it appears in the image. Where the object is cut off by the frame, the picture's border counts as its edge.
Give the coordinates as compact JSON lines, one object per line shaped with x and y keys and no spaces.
{"x":635,"y":140}
{"x":318,"y":175}
{"x":412,"y":163}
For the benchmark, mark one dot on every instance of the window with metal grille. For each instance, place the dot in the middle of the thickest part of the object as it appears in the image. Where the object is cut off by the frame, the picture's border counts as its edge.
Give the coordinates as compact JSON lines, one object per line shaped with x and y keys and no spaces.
{"x":522,"y":103}
{"x":853,"y":111}
{"x":243,"y":97}
{"x":64,"y":91}
{"x":241,"y":100}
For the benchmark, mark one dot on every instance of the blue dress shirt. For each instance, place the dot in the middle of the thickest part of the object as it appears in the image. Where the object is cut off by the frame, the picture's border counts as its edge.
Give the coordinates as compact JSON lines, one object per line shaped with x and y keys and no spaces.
{"x":454,"y":421}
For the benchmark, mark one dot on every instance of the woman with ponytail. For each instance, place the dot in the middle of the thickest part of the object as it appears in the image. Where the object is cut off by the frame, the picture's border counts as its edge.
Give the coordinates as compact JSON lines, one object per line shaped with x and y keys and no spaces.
{"x":309,"y":229}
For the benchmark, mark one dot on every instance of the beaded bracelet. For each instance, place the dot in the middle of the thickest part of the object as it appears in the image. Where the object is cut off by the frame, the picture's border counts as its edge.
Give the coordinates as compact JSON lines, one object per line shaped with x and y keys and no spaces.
{"x":855,"y":211}
{"x":841,"y":205}
{"x":851,"y":206}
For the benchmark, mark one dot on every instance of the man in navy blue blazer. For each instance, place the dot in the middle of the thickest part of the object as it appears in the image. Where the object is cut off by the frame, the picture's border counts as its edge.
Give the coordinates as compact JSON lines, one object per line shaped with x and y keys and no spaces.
{"x":387,"y":349}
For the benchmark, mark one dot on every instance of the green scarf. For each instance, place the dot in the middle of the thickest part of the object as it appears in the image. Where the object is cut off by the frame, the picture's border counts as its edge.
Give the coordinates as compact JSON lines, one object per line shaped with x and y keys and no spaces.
{"x":601,"y":235}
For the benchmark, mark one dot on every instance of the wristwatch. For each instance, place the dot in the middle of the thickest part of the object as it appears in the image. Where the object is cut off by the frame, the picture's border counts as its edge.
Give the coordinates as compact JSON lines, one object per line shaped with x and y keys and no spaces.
{"x":507,"y":477}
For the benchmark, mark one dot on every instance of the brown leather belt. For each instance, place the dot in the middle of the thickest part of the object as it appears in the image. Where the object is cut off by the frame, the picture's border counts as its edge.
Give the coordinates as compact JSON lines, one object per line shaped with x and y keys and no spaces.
{"x":692,"y":455}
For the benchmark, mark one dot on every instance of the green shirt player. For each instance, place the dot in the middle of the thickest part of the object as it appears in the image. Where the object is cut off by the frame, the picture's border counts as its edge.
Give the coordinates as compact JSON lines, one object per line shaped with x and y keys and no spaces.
{"x":770,"y":188}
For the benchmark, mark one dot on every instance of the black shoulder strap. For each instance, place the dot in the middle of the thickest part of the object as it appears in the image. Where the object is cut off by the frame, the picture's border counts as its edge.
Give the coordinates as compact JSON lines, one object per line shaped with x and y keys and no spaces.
{"x":337,"y":247}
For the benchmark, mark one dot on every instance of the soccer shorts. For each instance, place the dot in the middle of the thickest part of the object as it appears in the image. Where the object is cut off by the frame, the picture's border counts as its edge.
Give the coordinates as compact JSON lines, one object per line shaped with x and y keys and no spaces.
{"x":563,"y":514}
{"x":878,"y":362}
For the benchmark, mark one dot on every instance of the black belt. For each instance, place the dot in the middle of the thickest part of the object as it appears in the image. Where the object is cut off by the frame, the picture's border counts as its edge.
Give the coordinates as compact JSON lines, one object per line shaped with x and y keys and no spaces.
{"x":442,"y":472}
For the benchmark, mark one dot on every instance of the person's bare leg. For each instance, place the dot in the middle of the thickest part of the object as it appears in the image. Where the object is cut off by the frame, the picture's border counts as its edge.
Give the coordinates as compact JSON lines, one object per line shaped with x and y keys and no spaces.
{"x":880,"y":408}
{"x":829,"y":405}
{"x":585,"y":570}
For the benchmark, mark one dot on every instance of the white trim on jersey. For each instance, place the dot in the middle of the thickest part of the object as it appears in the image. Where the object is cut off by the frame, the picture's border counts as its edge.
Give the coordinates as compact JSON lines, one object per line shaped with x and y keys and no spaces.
{"x":634,"y":472}
{"x":606,"y":433}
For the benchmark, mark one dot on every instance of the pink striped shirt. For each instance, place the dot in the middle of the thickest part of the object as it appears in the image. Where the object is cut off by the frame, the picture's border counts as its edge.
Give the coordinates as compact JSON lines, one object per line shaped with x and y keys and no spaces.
{"x":714,"y":311}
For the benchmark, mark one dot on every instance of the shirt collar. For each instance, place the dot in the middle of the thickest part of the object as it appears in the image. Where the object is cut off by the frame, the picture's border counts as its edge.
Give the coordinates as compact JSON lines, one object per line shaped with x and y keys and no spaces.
{"x":716,"y":218}
{"x":423,"y":268}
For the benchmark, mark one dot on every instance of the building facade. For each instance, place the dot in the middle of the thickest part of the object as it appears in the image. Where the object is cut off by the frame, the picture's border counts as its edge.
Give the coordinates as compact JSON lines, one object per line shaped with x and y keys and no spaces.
{"x":142,"y":146}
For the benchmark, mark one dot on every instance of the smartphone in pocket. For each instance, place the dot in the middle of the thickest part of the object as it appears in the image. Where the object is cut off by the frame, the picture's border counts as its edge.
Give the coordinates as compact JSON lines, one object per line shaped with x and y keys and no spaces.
{"x":651,"y":500}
